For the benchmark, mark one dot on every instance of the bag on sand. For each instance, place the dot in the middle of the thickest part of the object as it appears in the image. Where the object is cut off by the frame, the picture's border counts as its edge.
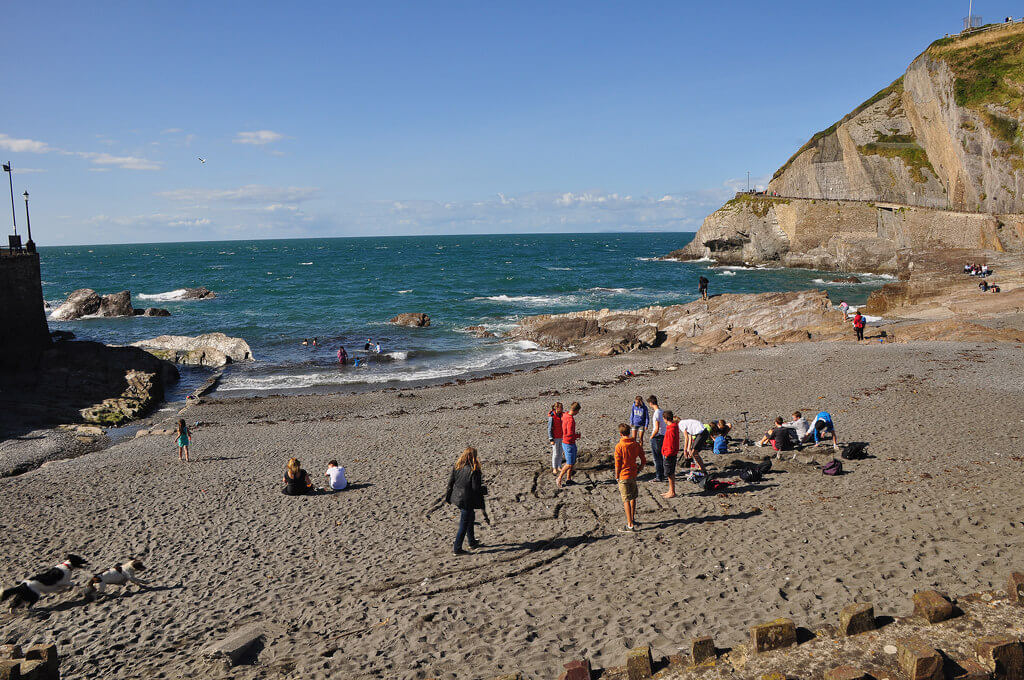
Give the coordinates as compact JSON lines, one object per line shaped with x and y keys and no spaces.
{"x":755,"y":473}
{"x":855,"y":451}
{"x":832,"y":468}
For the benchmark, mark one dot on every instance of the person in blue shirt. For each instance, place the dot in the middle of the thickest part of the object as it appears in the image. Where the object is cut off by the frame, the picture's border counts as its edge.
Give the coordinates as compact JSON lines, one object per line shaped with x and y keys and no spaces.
{"x":638,"y":420}
{"x":821,"y":426}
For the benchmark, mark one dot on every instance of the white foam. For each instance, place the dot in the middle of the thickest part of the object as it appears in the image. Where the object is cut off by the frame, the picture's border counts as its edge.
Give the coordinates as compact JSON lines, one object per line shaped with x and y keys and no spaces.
{"x":164,"y":297}
{"x":305,"y":263}
{"x":617,"y":291}
{"x":727,"y":273}
{"x":530,"y":299}
{"x":559,"y":269}
{"x":403,"y":292}
{"x":397,"y":356}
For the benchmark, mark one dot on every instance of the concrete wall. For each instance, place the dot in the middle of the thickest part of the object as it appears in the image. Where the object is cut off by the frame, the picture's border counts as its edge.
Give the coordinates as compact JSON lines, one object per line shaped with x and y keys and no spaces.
{"x":23,"y":330}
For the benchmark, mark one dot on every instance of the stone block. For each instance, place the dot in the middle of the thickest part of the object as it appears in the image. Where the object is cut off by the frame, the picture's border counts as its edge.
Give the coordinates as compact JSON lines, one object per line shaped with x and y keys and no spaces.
{"x":702,"y":649}
{"x":48,"y":655}
{"x":845,"y":673}
{"x":35,"y":670}
{"x":1015,"y":587}
{"x":856,"y":618}
{"x":971,"y":670}
{"x":578,"y":669}
{"x":932,"y":606}
{"x":11,"y":652}
{"x":917,"y":660}
{"x":1001,"y":655}
{"x":774,"y":635}
{"x":10,"y":669}
{"x":234,"y":648}
{"x":638,"y":663}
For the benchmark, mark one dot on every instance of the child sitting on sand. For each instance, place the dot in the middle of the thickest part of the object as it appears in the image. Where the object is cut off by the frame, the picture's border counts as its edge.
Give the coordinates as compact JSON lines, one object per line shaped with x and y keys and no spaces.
{"x":800,"y":426}
{"x":719,"y":433}
{"x":337,"y":476}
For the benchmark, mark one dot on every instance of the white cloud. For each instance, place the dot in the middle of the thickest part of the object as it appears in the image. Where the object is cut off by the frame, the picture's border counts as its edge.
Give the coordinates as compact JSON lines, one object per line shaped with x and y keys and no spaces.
{"x":250,"y":193}
{"x":171,"y":131}
{"x":275,"y":207}
{"x":123,"y":162}
{"x":23,"y":145}
{"x":190,"y":222}
{"x":258,"y":137}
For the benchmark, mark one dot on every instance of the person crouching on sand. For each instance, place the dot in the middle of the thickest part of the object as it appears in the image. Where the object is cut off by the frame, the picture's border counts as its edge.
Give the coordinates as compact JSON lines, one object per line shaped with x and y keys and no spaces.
{"x":670,"y":451}
{"x":184,"y":438}
{"x":569,"y":449}
{"x":629,"y":458}
{"x":466,"y":492}
{"x":555,"y":437}
{"x":296,"y":481}
{"x":695,"y":435}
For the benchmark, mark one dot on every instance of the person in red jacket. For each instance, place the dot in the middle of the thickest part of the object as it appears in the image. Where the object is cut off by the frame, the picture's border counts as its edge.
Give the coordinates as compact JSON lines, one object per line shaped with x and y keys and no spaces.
{"x":669,"y":452}
{"x":569,"y":437}
{"x":858,"y":325}
{"x":555,"y":437}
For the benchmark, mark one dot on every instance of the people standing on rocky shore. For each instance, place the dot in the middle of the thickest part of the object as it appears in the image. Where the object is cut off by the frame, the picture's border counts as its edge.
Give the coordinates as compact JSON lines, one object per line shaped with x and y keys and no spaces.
{"x":629,"y":459}
{"x":555,"y":437}
{"x":638,"y":419}
{"x":858,"y":325}
{"x":569,"y":449}
{"x":702,"y":287}
{"x":657,"y":436}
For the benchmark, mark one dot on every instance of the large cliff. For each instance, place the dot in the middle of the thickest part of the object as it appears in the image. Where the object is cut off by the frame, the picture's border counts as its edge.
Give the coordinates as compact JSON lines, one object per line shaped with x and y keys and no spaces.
{"x":941,"y":145}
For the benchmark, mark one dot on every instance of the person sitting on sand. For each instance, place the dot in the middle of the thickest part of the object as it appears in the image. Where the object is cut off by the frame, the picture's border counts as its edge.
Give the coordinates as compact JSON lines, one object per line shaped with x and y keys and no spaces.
{"x":466,"y":492}
{"x":296,"y":481}
{"x":800,"y":426}
{"x":629,"y":459}
{"x":983,"y":286}
{"x":555,"y":437}
{"x":821,"y":426}
{"x":720,"y":435}
{"x":569,"y":449}
{"x":638,"y":419}
{"x":670,"y":452}
{"x":336,"y":475}
{"x":183,"y":438}
{"x":779,"y":436}
{"x":695,"y":435}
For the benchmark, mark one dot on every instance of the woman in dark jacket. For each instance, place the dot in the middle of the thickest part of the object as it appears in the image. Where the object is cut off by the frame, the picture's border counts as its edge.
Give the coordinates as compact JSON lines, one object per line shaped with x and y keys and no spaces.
{"x":466,"y":492}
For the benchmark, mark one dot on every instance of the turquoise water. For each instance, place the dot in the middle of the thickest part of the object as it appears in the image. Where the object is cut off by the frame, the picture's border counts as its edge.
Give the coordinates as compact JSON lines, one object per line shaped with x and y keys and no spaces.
{"x":275,"y":293}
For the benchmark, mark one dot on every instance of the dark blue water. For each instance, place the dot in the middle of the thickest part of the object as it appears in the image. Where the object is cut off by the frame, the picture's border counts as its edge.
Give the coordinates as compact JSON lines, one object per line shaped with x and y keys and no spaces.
{"x":275,"y":293}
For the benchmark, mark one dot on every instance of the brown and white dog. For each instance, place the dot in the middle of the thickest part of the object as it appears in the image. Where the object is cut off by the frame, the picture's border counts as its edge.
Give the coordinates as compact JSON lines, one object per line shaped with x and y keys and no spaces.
{"x":57,"y":579}
{"x":118,"y":575}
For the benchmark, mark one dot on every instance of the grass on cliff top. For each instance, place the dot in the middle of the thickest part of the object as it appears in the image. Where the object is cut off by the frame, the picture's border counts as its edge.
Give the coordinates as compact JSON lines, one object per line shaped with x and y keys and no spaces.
{"x":912,"y":155}
{"x":895,"y":87}
{"x":758,"y":205}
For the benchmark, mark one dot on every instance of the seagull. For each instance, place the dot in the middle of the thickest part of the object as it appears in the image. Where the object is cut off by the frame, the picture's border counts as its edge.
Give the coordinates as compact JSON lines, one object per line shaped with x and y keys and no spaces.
{"x":201,"y":160}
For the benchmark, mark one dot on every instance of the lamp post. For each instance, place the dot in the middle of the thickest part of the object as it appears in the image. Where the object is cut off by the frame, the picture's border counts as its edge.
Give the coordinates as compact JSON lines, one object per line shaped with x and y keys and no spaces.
{"x":30,"y":246}
{"x":10,"y":179}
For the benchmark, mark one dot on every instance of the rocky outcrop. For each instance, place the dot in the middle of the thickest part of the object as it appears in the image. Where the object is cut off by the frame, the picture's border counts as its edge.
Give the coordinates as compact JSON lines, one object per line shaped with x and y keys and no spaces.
{"x":722,"y":322}
{"x":200,"y":293}
{"x":141,"y":393}
{"x":479,"y":332}
{"x":87,"y":302}
{"x":413,"y":319}
{"x":934,"y":159}
{"x":152,"y":311}
{"x":210,"y":349}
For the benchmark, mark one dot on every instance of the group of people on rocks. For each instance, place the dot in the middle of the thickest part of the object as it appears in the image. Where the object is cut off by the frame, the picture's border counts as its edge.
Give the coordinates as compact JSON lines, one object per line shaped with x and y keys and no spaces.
{"x":983,"y":271}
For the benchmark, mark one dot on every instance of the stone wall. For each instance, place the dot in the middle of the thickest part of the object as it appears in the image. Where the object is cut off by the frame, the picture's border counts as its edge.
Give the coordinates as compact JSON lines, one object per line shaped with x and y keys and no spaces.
{"x":24,"y":334}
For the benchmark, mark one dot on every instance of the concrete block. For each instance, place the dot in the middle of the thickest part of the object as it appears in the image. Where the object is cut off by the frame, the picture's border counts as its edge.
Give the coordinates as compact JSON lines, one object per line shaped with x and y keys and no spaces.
{"x":1015,"y":587}
{"x":774,"y":635}
{"x":11,"y":652}
{"x":917,"y":660}
{"x":48,"y":655}
{"x":35,"y":670}
{"x":702,"y":649}
{"x":932,"y":606}
{"x":845,"y":673}
{"x":856,"y":618}
{"x":234,"y":648}
{"x":638,"y":663}
{"x":578,"y":669}
{"x":971,"y":670}
{"x":1001,"y":655}
{"x":10,"y":669}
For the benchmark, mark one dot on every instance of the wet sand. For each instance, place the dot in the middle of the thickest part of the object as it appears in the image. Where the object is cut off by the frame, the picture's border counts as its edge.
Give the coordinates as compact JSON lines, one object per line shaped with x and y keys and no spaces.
{"x":363,"y":583}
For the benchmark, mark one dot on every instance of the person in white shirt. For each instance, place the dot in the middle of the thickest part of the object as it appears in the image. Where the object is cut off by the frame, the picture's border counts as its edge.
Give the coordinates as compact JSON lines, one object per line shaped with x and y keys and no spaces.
{"x":337,"y":477}
{"x":695,"y":435}
{"x":658,"y":426}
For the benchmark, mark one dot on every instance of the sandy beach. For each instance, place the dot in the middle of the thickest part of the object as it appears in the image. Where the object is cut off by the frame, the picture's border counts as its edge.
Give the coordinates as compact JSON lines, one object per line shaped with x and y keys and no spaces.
{"x":364,"y":584}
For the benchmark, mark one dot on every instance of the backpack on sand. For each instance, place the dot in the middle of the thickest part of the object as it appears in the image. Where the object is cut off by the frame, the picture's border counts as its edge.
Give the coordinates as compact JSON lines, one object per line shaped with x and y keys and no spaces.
{"x":832,"y":468}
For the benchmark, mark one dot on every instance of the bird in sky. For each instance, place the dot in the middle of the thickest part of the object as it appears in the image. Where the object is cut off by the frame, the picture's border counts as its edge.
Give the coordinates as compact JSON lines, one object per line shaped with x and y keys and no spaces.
{"x":201,"y":160}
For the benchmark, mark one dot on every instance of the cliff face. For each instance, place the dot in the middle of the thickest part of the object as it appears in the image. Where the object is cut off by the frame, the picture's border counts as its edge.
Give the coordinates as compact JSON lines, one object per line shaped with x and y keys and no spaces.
{"x":946,"y":136}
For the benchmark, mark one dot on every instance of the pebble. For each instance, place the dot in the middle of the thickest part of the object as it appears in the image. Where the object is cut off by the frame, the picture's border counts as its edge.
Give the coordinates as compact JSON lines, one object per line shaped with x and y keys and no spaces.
{"x":889,"y":649}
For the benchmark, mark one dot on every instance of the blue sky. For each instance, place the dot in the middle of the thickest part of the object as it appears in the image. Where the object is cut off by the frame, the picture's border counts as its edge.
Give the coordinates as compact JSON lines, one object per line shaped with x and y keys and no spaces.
{"x":339,"y":118}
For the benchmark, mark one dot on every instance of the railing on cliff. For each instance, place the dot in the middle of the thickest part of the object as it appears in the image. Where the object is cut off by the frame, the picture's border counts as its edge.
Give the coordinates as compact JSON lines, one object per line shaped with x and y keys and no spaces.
{"x":931,"y":204}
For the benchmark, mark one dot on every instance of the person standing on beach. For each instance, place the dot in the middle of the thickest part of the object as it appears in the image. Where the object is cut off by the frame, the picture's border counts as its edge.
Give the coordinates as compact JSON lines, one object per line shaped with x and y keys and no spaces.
{"x":629,"y":459}
{"x":858,"y":325}
{"x":670,"y":451}
{"x":657,"y":435}
{"x":555,"y":437}
{"x":569,"y":437}
{"x":184,"y":438}
{"x":466,"y":492}
{"x":702,"y":287}
{"x":638,"y":419}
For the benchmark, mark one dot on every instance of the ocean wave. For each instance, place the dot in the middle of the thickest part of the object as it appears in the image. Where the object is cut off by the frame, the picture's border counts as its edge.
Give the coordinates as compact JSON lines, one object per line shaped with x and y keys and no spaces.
{"x":530,"y":299}
{"x":306,"y":263}
{"x":727,"y":273}
{"x":403,"y":292}
{"x":397,"y":356}
{"x":164,"y":297}
{"x":617,"y":291}
{"x":559,"y":269}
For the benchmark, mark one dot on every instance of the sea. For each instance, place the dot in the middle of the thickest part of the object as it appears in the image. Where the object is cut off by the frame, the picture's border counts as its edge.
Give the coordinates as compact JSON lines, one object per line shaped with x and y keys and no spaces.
{"x":342,"y":291}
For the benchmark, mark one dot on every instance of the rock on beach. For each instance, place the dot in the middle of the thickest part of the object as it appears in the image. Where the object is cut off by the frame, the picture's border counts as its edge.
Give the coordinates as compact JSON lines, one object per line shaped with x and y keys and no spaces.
{"x":412,"y":319}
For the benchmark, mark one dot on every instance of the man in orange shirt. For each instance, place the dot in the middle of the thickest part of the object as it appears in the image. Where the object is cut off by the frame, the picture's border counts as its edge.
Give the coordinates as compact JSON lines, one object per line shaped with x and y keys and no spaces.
{"x":629,"y":458}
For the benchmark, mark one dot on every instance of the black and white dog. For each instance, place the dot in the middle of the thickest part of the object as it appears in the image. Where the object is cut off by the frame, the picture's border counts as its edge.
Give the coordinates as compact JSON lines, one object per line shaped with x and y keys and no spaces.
{"x":54,"y":580}
{"x":118,"y":575}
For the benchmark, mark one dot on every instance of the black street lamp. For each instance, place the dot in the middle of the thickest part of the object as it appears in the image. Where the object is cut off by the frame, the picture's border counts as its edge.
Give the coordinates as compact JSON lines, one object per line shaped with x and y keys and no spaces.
{"x":10,"y":179}
{"x":30,"y":246}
